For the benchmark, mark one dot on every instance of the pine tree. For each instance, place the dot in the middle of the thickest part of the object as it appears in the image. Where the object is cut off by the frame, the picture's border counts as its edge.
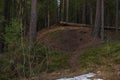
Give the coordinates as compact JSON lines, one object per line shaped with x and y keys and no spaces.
{"x":33,"y":22}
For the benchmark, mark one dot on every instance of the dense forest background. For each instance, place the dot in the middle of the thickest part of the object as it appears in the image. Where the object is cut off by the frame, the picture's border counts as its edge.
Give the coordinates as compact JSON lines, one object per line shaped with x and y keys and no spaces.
{"x":22,"y":54}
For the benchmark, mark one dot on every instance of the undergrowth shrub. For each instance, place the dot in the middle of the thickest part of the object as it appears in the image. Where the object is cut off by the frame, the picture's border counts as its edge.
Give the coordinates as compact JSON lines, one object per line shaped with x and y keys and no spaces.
{"x":17,"y":64}
{"x":13,"y":34}
{"x":21,"y":61}
{"x":105,"y":54}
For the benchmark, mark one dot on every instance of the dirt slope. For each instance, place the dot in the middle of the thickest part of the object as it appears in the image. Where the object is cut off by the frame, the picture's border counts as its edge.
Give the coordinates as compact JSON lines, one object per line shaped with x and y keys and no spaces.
{"x":73,"y":40}
{"x":69,"y":39}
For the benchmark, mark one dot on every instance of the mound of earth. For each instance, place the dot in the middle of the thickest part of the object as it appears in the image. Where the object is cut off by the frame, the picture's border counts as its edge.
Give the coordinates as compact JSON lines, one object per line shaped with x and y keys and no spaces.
{"x":72,"y":40}
{"x":68,"y":39}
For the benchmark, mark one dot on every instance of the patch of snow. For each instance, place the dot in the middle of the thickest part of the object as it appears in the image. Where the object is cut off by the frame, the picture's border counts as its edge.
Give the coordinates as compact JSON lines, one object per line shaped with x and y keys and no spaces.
{"x":82,"y":77}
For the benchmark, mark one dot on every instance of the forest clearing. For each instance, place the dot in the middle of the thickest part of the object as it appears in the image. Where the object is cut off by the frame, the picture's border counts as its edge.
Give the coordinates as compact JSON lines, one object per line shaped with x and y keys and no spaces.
{"x":59,"y":40}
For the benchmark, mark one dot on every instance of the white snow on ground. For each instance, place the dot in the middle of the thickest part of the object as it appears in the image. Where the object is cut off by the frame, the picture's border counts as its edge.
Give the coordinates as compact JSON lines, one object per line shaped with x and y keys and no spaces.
{"x":82,"y":77}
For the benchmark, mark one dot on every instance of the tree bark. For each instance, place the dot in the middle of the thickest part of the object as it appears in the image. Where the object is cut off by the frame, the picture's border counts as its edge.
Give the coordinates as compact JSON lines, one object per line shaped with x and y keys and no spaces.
{"x":117,"y":15}
{"x":90,"y":14}
{"x":84,"y":13}
{"x":33,"y":22}
{"x":56,"y":12}
{"x":63,"y":9}
{"x":99,"y":21}
{"x":67,"y":10}
{"x":102,"y":20}
{"x":48,"y":14}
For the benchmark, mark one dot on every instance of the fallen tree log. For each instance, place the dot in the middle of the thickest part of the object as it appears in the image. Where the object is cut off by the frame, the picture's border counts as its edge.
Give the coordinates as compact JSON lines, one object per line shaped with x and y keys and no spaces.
{"x":85,"y":25}
{"x":73,"y":24}
{"x":111,"y":28}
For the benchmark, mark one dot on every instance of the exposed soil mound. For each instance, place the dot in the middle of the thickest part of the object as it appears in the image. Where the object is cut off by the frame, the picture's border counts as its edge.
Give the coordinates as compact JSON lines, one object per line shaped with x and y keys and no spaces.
{"x":72,"y":40}
{"x":69,"y":39}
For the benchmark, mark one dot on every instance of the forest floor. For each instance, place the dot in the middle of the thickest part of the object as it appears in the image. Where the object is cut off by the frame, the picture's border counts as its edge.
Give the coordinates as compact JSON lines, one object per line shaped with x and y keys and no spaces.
{"x":74,"y":40}
{"x":69,"y":39}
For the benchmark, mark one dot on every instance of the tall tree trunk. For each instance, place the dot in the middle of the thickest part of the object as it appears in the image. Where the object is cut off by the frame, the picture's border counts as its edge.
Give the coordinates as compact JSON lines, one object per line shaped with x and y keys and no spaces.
{"x":76,"y":12}
{"x":56,"y":11}
{"x":33,"y":22}
{"x":99,"y":21}
{"x":102,"y":20}
{"x":63,"y":9}
{"x":84,"y":13}
{"x":67,"y":10}
{"x":117,"y":15}
{"x":91,"y":14}
{"x":48,"y":15}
